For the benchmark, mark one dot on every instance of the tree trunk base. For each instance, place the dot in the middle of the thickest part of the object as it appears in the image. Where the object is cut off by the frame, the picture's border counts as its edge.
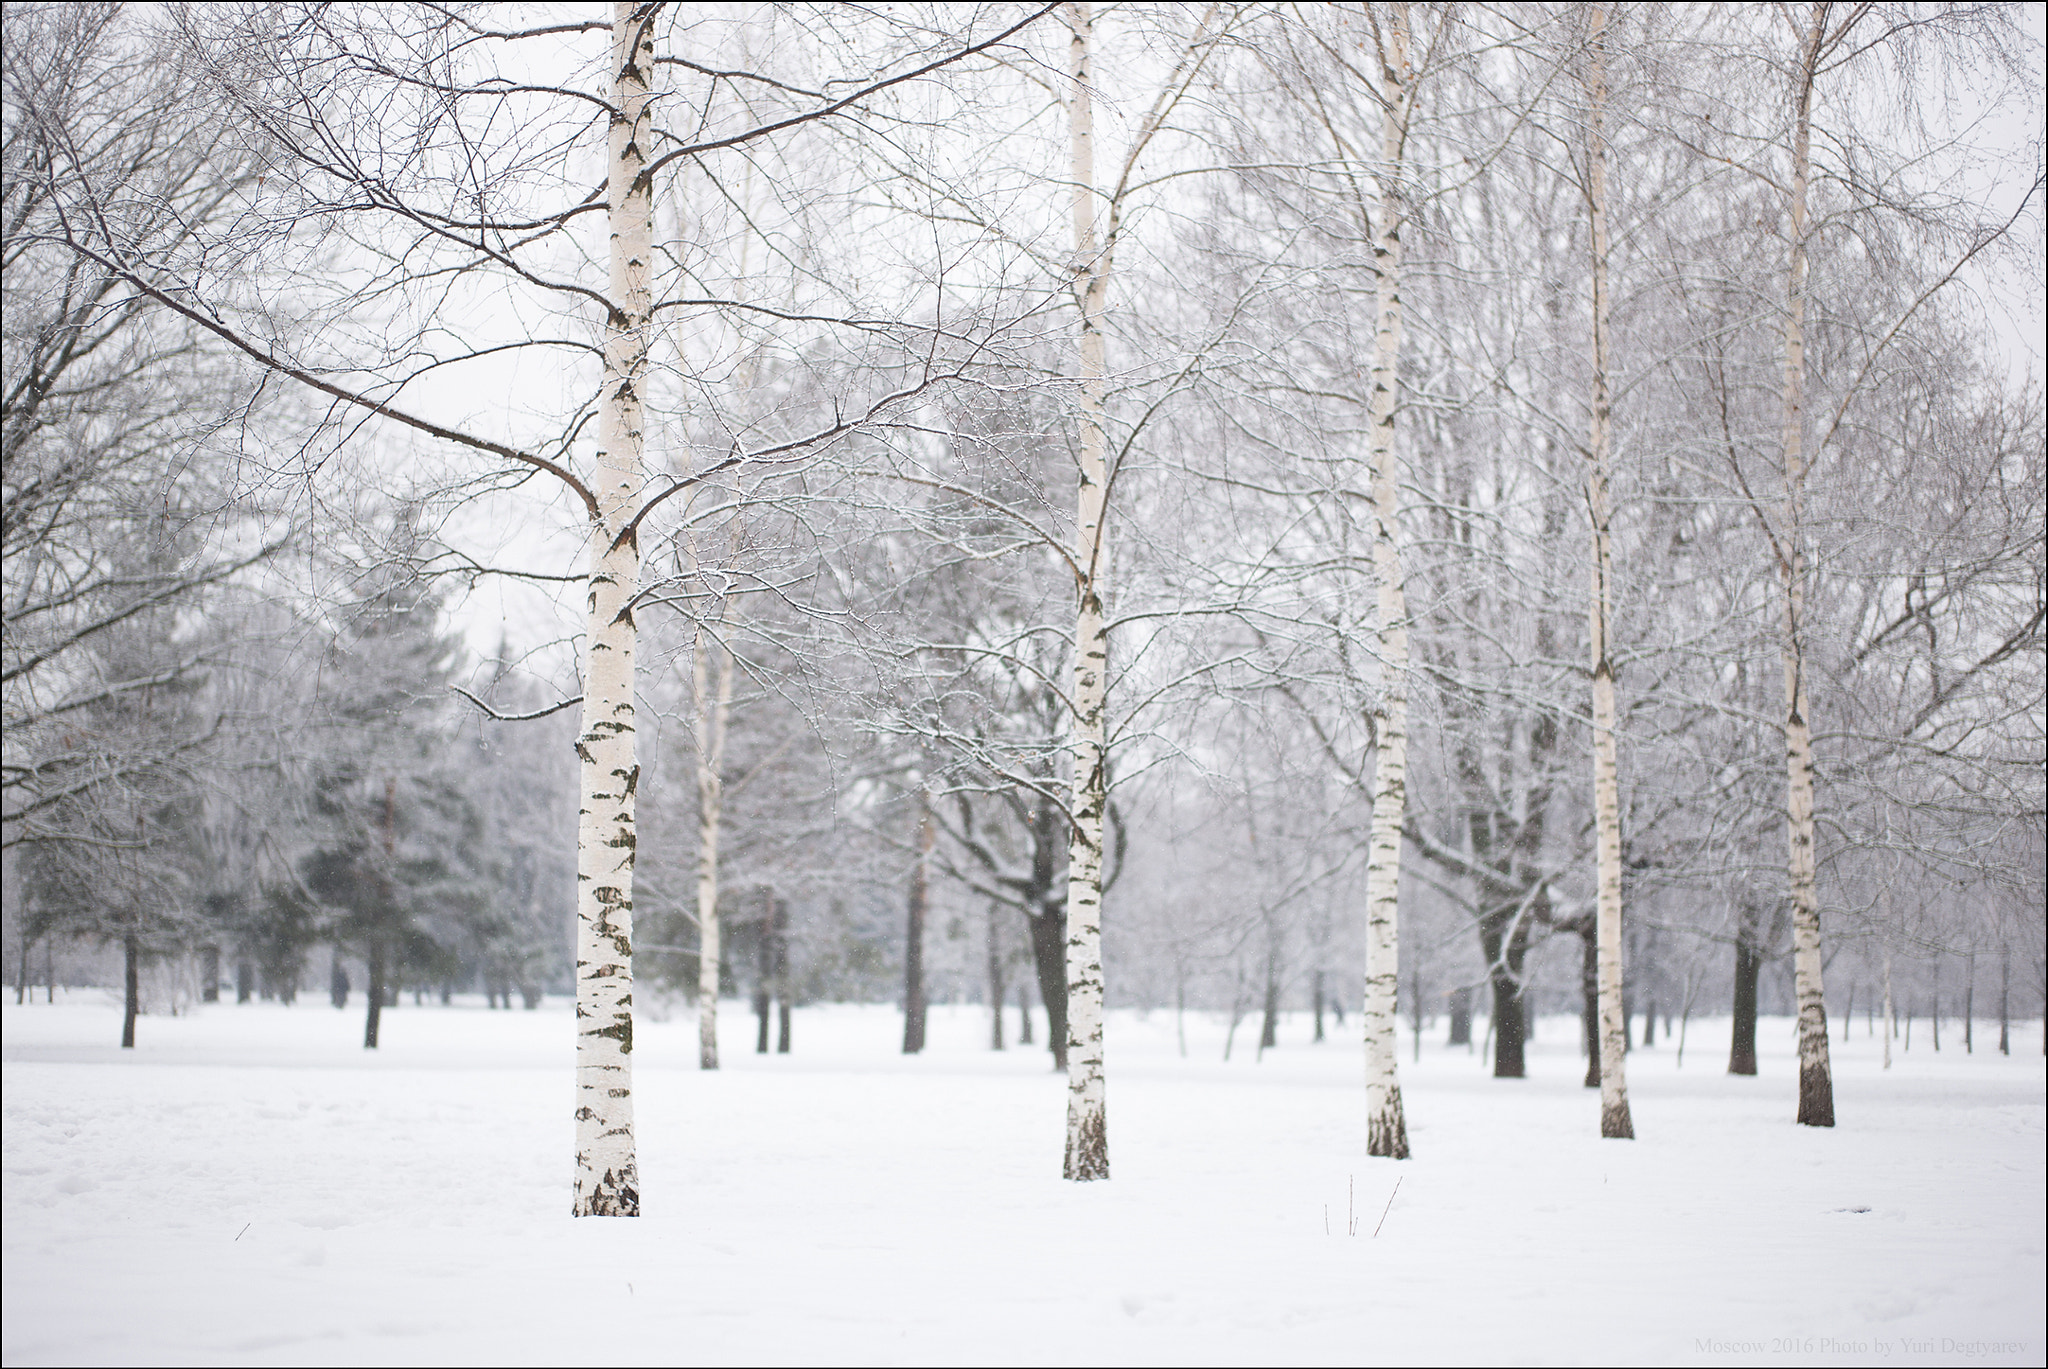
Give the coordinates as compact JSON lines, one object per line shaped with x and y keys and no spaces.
{"x":615,"y":1195}
{"x":1386,"y":1133}
{"x":1816,"y":1095}
{"x":1087,"y":1145}
{"x":1615,"y":1122}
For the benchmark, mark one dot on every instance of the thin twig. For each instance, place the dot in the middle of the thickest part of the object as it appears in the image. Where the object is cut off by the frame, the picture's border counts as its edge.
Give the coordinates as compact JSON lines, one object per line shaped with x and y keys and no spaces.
{"x":1389,"y":1207}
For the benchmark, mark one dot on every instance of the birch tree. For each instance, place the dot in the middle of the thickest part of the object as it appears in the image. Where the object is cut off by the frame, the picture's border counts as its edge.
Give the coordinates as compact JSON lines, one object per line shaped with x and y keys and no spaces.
{"x":356,"y":120}
{"x":1098,"y":225}
{"x":1087,"y":1154}
{"x":711,"y":675}
{"x":1816,"y":1083}
{"x":1614,"y":1111}
{"x":1386,"y":1127}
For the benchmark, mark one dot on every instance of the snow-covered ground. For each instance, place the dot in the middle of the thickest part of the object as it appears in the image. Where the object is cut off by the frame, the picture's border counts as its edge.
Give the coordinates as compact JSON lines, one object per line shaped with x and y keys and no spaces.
{"x":249,"y":1186}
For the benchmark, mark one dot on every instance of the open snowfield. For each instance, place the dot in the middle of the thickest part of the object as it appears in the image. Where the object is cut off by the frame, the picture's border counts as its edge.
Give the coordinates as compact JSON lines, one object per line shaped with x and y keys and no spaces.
{"x":248,"y":1186}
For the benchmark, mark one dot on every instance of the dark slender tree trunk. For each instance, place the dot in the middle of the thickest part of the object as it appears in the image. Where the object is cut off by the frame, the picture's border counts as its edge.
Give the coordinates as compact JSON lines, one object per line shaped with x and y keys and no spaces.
{"x":1415,"y":1008}
{"x":1589,"y":1003}
{"x":1461,"y":1016}
{"x":1935,"y":1018}
{"x":1024,"y":1016}
{"x":1318,"y":992}
{"x":764,"y":973}
{"x":131,"y":1002}
{"x":21,"y":973}
{"x":1049,"y":959}
{"x":2005,"y":1000}
{"x":1510,"y":1028}
{"x":780,"y":926}
{"x":245,"y":981}
{"x":1650,"y":1024}
{"x":997,"y":989}
{"x":913,"y":942}
{"x":209,"y":974}
{"x":1269,"y":1021}
{"x":1505,"y":940}
{"x":337,"y":982}
{"x":375,"y":993}
{"x":1748,"y":965}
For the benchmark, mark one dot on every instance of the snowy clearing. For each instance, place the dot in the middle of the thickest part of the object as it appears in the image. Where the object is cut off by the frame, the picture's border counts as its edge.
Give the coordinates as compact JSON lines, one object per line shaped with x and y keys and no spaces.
{"x":249,"y":1187}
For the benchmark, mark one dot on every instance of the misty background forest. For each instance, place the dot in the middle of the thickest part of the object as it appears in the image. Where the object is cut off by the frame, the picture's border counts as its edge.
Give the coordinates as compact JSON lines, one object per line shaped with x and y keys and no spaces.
{"x":1515,"y":530}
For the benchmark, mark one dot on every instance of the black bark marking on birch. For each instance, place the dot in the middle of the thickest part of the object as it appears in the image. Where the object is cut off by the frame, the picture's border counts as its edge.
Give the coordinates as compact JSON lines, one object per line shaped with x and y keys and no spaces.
{"x":1816,"y":1094}
{"x":1088,"y":1157}
{"x":632,"y":780}
{"x":583,"y":753}
{"x":1387,"y":1132}
{"x":621,"y":1030}
{"x":613,"y":1195}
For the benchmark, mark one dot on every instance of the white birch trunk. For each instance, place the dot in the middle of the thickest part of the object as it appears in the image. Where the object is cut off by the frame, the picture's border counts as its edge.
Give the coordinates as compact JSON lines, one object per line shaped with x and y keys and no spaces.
{"x":708,"y":659}
{"x":607,"y":1176}
{"x":1816,"y":1085}
{"x":1087,"y":1153}
{"x":1386,"y":1130}
{"x":1614,"y":1112}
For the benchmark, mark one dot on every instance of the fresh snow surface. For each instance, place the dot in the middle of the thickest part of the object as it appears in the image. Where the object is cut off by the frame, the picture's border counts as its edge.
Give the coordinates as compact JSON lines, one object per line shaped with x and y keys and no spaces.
{"x":250,"y":1186}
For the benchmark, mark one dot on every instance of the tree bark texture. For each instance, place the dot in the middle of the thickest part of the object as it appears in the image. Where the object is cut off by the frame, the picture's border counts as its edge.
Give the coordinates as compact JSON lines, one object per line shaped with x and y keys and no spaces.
{"x":764,"y":973}
{"x":1749,"y":960}
{"x":373,"y":1013}
{"x":1049,"y":965}
{"x":1386,"y":1129}
{"x":1269,"y":1019}
{"x":1506,"y":948}
{"x":1891,"y":1016}
{"x":996,"y":987}
{"x":918,"y":909}
{"x":709,"y":662}
{"x":1087,"y":1149}
{"x":131,"y":997}
{"x":1816,"y":1084}
{"x":779,"y":929}
{"x":607,"y":1171}
{"x":1589,"y":1003}
{"x":1615,"y":1121}
{"x":2004,"y":1000}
